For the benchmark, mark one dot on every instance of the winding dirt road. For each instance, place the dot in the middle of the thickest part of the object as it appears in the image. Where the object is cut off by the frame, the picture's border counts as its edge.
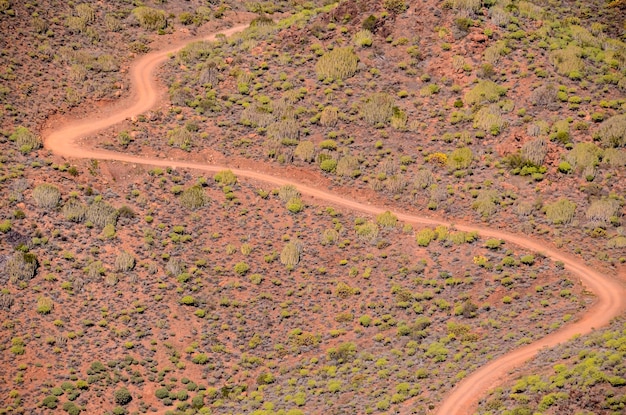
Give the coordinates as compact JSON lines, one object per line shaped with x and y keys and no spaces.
{"x":145,"y":94}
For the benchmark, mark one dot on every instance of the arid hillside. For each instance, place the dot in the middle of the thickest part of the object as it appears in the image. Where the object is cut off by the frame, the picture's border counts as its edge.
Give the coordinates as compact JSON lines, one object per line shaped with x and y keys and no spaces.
{"x":145,"y":287}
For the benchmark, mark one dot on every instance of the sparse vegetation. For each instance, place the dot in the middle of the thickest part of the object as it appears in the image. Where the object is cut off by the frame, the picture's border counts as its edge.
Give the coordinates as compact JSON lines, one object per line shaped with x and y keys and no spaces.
{"x":220,"y":294}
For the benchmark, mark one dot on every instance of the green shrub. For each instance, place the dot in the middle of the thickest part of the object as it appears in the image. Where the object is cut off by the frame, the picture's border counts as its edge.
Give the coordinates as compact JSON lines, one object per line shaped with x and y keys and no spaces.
{"x":305,"y":151}
{"x":25,"y":140}
{"x":490,"y":119}
{"x":339,"y":63}
{"x":295,"y":205}
{"x":200,"y":359}
{"x":342,"y":353}
{"x":367,"y":232}
{"x":225,"y":178}
{"x":288,"y":192}
{"x":460,"y":158}
{"x":74,"y":210}
{"x":328,"y":145}
{"x":161,"y":393}
{"x":612,"y":132}
{"x":150,"y":18}
{"x":387,"y":219}
{"x":425,"y":236}
{"x":122,"y":396}
{"x":328,"y":165}
{"x":484,"y":91}
{"x":363,"y":38}
{"x":493,"y":243}
{"x":71,"y":408}
{"x":395,"y":6}
{"x":180,"y":137}
{"x":101,"y":214}
{"x":188,"y":300}
{"x":265,"y":378}
{"x":369,"y":23}
{"x":565,"y":167}
{"x":5,"y":226}
{"x":241,"y":268}
{"x":348,"y":166}
{"x":50,"y":402}
{"x":561,"y":211}
{"x":44,"y":305}
{"x":46,"y":196}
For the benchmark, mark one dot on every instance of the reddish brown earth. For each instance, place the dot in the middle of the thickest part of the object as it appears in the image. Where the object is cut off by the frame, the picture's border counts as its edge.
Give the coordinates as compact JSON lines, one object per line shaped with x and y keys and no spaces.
{"x":65,"y":141}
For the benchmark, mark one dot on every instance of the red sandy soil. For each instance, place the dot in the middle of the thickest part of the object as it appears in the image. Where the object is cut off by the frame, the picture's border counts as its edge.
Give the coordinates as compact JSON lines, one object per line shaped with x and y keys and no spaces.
{"x":64,"y":140}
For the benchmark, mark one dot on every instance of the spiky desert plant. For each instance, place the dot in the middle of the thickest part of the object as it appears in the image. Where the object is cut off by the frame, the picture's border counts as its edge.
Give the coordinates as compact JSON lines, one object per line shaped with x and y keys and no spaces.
{"x":22,"y":266}
{"x":46,"y":196}
{"x":612,"y":132}
{"x":339,"y":63}
{"x":367,"y":232}
{"x":363,"y":38}
{"x":305,"y":151}
{"x":387,"y":219}
{"x":490,"y":119}
{"x":535,"y":151}
{"x":193,"y":197}
{"x":568,"y":61}
{"x":602,"y":211}
{"x":288,"y":192}
{"x":256,"y":116}
{"x":284,"y":131}
{"x":74,"y":210}
{"x":225,"y":178}
{"x":290,"y":255}
{"x":498,"y":49}
{"x":44,"y":305}
{"x":329,"y":237}
{"x":150,"y":18}
{"x":348,"y":166}
{"x":584,"y":155}
{"x":25,"y":140}
{"x":85,"y":11}
{"x":377,"y":108}
{"x":466,"y":5}
{"x":424,"y":178}
{"x":485,"y":203}
{"x":100,"y":213}
{"x":615,"y":157}
{"x":124,"y":262}
{"x":560,"y":212}
{"x":329,"y":116}
{"x":180,"y":137}
{"x":460,"y":158}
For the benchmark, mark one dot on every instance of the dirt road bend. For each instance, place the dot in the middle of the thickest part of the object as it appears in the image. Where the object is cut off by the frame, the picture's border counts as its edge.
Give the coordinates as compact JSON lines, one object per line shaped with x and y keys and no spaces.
{"x":145,"y":94}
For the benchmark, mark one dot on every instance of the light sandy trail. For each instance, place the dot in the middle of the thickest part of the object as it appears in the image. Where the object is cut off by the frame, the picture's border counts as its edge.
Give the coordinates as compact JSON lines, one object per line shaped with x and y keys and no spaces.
{"x":610,"y":292}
